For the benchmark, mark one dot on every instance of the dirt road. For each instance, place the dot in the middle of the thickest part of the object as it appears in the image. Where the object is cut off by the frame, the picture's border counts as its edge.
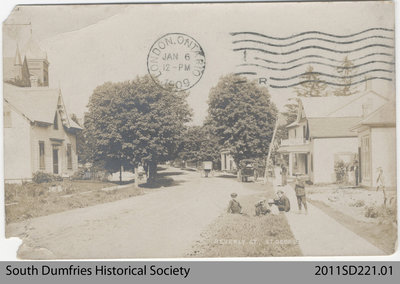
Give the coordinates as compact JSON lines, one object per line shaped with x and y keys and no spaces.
{"x":165,"y":222}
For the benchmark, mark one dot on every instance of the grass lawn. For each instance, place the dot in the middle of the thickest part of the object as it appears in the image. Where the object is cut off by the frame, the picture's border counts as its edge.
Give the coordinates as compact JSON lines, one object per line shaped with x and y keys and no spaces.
{"x":29,"y":200}
{"x":234,"y":235}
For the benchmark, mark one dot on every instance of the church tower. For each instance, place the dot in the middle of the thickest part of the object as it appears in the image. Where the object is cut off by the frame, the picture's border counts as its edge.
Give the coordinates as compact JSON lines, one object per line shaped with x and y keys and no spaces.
{"x":38,"y":65}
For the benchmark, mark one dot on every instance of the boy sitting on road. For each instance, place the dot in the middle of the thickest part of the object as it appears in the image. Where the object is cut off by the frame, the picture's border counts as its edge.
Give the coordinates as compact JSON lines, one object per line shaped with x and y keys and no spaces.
{"x":282,"y":201}
{"x":262,"y":208}
{"x":234,"y":206}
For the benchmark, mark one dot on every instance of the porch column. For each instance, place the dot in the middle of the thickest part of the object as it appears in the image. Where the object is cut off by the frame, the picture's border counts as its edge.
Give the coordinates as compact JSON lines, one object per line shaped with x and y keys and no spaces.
{"x":290,"y":164}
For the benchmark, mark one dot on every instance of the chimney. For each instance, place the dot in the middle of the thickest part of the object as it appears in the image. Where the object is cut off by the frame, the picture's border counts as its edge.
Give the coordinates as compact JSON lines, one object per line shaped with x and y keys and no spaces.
{"x":34,"y":81}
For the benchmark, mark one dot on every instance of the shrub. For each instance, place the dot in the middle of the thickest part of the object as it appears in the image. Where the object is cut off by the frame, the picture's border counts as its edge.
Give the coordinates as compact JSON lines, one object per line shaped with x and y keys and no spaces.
{"x":79,"y":174}
{"x":41,"y":177}
{"x":375,"y":211}
{"x":341,"y":171}
{"x":372,"y":212}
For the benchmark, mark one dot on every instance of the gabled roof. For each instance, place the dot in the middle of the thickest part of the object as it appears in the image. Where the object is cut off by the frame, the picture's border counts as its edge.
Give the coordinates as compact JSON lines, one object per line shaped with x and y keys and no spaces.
{"x":36,"y":104}
{"x":384,"y":116}
{"x":338,"y":106}
{"x":326,"y":127}
{"x":73,"y":124}
{"x":322,"y":106}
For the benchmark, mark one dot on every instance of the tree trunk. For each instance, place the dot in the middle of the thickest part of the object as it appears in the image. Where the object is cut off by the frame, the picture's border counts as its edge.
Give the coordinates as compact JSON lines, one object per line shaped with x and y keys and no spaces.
{"x":120,"y":174}
{"x":152,"y":170}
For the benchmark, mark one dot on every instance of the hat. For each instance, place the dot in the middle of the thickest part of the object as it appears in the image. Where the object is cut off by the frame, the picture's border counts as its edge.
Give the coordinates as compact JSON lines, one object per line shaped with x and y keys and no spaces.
{"x":233,"y":195}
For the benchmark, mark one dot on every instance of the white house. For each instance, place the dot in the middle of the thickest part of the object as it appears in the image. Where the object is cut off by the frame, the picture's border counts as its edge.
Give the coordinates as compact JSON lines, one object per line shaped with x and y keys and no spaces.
{"x":377,"y":145}
{"x":38,"y":133}
{"x":321,"y":134}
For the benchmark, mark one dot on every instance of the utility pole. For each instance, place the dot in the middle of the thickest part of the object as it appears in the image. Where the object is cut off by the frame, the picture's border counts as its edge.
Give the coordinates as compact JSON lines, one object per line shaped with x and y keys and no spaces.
{"x":269,"y":152}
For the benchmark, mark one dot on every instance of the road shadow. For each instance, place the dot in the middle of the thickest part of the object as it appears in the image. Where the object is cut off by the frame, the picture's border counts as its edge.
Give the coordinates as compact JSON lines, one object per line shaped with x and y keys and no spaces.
{"x":124,"y":182}
{"x":166,"y":174}
{"x":163,"y":180}
{"x":226,"y":176}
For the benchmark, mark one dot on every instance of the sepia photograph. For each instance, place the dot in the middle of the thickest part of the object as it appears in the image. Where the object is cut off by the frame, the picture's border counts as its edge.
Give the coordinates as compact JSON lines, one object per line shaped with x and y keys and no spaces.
{"x":208,"y":130}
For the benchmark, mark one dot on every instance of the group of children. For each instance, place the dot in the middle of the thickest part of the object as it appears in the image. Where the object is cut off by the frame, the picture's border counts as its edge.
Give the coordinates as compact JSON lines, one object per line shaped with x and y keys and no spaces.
{"x":262,"y":207}
{"x":279,"y":204}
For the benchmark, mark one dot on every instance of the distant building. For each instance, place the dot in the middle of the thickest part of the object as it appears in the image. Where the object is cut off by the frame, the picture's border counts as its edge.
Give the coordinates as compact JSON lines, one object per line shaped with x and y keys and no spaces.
{"x":322,"y":135}
{"x":38,"y":133}
{"x":227,"y":162}
{"x":29,"y":68}
{"x":377,"y":145}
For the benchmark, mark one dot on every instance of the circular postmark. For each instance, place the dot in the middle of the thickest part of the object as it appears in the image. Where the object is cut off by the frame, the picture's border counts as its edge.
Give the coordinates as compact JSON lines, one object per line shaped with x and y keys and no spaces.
{"x":176,"y":60}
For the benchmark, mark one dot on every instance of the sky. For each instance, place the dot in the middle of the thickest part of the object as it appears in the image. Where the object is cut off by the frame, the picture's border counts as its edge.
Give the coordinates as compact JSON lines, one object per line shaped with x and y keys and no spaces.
{"x":90,"y":45}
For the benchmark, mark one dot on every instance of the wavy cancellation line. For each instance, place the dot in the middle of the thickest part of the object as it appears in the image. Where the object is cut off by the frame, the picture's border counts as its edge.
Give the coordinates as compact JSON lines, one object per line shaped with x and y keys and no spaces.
{"x":313,"y":32}
{"x":330,"y":83}
{"x":314,"y":47}
{"x":330,"y":75}
{"x":329,"y":59}
{"x":309,"y":39}
{"x":245,"y":73}
{"x":312,"y":62}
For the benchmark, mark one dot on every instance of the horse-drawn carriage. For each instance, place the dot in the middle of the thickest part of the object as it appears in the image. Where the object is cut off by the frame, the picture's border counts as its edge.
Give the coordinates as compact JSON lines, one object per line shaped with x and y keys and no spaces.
{"x":248,"y":170}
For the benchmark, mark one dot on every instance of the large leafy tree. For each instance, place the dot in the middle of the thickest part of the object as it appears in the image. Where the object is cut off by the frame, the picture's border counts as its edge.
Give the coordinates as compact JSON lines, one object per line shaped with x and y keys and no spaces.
{"x":200,"y":144}
{"x":312,"y":85}
{"x":346,"y":71}
{"x":242,"y":116}
{"x":83,"y":150}
{"x":135,"y":122}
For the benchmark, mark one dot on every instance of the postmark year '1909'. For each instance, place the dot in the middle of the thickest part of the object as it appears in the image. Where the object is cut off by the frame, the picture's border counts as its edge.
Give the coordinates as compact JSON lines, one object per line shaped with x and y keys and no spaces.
{"x":176,"y":61}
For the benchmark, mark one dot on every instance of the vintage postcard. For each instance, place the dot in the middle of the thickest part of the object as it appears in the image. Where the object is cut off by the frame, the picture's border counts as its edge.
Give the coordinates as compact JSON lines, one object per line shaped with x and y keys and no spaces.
{"x":200,"y":130}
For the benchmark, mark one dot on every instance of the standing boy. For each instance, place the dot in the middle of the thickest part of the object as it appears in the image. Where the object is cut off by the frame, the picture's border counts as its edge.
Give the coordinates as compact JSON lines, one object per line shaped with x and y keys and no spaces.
{"x":301,"y":194}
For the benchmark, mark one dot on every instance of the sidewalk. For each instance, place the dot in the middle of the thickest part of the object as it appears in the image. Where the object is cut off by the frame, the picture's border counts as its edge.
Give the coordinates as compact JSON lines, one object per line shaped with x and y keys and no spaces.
{"x":320,"y":235}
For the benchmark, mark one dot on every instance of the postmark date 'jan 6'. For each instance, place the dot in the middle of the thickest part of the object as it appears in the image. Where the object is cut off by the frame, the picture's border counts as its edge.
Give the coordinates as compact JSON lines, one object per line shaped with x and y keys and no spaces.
{"x":176,"y":61}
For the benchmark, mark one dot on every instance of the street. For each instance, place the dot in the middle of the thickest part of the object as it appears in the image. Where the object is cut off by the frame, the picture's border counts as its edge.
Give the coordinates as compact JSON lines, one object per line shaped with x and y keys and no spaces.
{"x":164,"y":222}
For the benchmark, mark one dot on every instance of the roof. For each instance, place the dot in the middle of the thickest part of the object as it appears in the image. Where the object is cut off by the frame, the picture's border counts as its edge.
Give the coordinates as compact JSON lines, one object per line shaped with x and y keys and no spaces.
{"x":294,"y":123}
{"x":339,"y":106}
{"x":384,"y":116}
{"x":45,"y":101}
{"x":37,"y":104}
{"x":332,"y":127}
{"x":322,"y":106}
{"x":73,"y":124}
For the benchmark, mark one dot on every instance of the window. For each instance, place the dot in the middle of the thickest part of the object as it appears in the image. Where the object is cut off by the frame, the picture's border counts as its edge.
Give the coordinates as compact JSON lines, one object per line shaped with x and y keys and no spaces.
{"x":42,"y":164}
{"x":304,"y":131}
{"x":69,"y":156}
{"x":365,"y":157}
{"x":55,"y":125}
{"x":7,"y":118}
